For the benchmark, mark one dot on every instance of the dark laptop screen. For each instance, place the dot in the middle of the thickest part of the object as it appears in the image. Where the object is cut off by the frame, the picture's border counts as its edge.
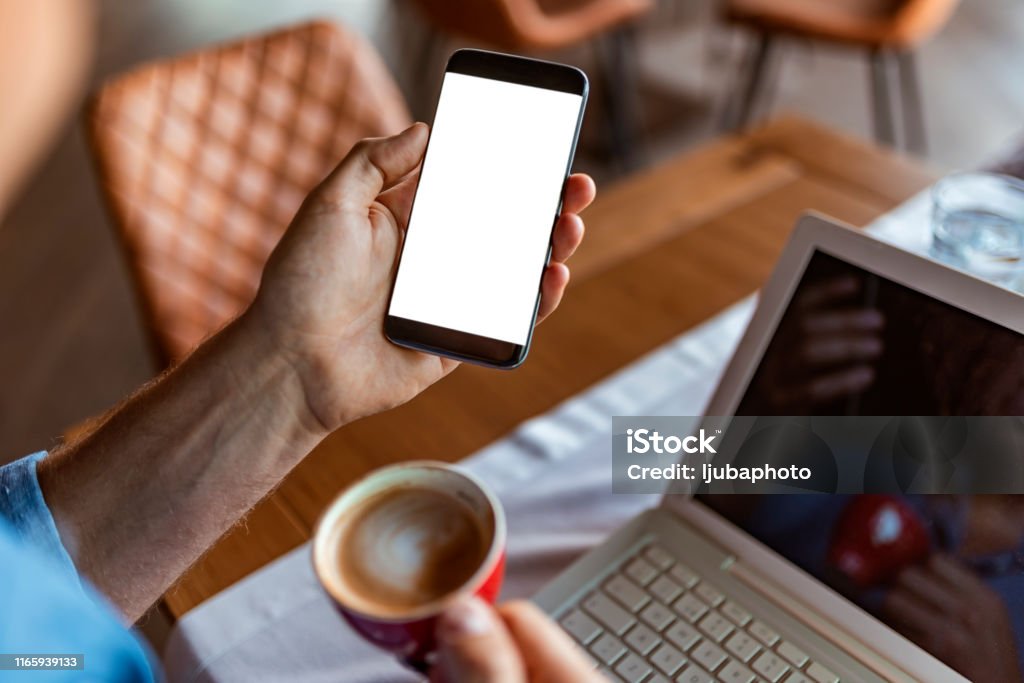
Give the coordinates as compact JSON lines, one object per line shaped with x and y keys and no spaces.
{"x":853,"y":343}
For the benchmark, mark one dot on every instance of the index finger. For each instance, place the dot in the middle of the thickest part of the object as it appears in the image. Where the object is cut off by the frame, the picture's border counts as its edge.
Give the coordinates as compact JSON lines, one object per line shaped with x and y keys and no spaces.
{"x":475,"y":645}
{"x":836,"y":289}
{"x":956,"y":576}
{"x":929,"y":589}
{"x":580,"y":190}
{"x":547,"y":651}
{"x":845,"y":320}
{"x":909,"y":610}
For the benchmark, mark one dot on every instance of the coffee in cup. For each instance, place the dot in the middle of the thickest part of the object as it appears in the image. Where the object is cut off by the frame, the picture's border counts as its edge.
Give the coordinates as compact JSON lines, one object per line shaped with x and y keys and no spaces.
{"x":395,"y":548}
{"x":404,"y":548}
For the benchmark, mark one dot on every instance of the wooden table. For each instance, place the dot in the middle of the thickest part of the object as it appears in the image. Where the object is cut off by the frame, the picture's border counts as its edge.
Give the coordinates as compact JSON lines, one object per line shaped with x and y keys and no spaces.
{"x":665,"y":249}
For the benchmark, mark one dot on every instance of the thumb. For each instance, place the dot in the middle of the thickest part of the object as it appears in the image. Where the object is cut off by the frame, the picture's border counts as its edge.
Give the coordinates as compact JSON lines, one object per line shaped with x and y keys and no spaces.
{"x":373,"y":165}
{"x":475,"y":646}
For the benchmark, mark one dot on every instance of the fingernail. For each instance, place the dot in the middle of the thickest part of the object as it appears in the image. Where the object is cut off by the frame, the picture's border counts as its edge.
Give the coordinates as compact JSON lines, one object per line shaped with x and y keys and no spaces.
{"x":465,"y":617}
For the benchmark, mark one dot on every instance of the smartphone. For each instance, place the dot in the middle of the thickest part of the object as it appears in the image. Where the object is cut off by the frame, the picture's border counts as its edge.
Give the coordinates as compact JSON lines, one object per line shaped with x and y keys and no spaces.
{"x":490,"y":190}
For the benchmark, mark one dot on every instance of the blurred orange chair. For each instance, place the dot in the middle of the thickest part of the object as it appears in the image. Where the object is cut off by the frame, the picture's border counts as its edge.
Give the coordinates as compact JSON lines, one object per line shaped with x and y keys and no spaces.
{"x":532,"y":25}
{"x":890,"y":30}
{"x":541,"y":25}
{"x":204,"y":159}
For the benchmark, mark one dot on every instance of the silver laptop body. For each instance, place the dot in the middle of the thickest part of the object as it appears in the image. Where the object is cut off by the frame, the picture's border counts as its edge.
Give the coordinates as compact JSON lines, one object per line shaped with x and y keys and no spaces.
{"x":682,"y":594}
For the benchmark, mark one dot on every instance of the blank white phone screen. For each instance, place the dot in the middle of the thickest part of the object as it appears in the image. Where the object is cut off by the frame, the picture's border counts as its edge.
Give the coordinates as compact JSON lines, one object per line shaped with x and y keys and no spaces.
{"x":481,"y":222}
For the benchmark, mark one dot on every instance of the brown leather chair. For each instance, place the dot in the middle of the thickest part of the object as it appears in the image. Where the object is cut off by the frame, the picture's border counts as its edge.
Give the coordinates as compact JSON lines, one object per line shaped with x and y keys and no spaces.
{"x":204,"y":159}
{"x":541,"y":25}
{"x":889,"y":30}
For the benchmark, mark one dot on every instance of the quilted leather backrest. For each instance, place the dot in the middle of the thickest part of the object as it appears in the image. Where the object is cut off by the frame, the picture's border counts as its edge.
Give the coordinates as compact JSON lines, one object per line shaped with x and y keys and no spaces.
{"x":204,"y":159}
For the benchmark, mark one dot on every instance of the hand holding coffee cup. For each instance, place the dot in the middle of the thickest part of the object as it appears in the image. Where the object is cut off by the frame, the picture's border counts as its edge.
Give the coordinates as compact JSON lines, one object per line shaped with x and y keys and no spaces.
{"x":400,"y":546}
{"x":514,"y":643}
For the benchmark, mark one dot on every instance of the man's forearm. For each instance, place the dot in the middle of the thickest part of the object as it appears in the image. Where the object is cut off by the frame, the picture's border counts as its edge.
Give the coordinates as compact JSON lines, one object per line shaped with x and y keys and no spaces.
{"x":142,"y":497}
{"x":150,"y":490}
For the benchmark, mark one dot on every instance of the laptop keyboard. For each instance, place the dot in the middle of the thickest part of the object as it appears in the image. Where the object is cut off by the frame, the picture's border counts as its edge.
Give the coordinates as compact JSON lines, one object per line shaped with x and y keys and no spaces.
{"x":656,"y":620}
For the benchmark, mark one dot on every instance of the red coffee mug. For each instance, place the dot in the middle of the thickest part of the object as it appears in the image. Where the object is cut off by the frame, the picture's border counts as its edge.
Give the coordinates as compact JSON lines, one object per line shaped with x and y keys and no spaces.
{"x":410,"y":635}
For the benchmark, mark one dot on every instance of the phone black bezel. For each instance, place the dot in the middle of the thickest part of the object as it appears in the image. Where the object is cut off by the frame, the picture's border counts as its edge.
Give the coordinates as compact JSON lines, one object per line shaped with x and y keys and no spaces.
{"x":465,"y":346}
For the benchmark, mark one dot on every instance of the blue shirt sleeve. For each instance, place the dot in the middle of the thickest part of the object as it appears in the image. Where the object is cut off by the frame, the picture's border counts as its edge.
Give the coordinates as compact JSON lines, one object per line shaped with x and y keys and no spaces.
{"x":44,"y":608}
{"x":45,"y":613}
{"x":23,"y":508}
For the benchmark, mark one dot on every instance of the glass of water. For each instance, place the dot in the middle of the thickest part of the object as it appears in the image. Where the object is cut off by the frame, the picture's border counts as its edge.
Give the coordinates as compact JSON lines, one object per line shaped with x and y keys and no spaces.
{"x":978,"y":225}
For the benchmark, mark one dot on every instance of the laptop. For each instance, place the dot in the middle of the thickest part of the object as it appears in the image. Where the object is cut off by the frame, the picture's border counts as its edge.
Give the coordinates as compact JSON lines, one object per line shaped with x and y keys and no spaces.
{"x":733,"y":589}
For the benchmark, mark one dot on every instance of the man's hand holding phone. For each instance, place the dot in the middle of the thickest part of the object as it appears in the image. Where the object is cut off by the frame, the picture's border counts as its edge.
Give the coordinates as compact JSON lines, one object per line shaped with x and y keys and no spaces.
{"x":324,"y":294}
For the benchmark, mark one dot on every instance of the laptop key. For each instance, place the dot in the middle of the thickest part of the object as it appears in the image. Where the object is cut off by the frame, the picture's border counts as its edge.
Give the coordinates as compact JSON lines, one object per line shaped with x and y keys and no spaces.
{"x":608,"y":648}
{"x":642,"y":639}
{"x":771,"y":666}
{"x":629,"y":628}
{"x":682,"y":635}
{"x":797,"y":677}
{"x":684,"y":575}
{"x":580,"y":626}
{"x":709,"y":594}
{"x":715,"y":626}
{"x":659,"y":556}
{"x":665,"y":589}
{"x":657,"y":616}
{"x":627,"y":592}
{"x":609,"y":675}
{"x":607,"y":612}
{"x":694,"y":674}
{"x":690,"y":606}
{"x":641,"y":571}
{"x":668,"y":659}
{"x":708,"y":655}
{"x":736,"y":613}
{"x":764,"y":633}
{"x":734,"y":672}
{"x":791,"y":652}
{"x":821,"y":674}
{"x":743,"y":646}
{"x":632,"y":669}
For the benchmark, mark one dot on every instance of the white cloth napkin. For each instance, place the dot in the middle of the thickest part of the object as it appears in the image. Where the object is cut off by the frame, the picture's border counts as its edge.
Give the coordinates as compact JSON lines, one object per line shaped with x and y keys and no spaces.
{"x":908,"y":225}
{"x":553,"y":475}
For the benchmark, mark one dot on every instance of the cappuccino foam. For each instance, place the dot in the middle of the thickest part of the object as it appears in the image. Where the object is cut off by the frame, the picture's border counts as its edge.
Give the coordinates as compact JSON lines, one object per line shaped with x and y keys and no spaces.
{"x":406,"y":547}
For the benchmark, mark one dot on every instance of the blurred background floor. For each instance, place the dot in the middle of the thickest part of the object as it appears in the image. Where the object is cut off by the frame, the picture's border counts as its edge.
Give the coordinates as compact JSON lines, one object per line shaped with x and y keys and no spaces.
{"x":71,"y":341}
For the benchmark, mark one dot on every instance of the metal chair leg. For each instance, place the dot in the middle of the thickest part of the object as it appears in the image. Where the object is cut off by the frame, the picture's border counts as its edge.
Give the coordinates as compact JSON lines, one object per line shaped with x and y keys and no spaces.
{"x":621,"y":96}
{"x":914,"y":133}
{"x":740,"y":111}
{"x":881,"y":99}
